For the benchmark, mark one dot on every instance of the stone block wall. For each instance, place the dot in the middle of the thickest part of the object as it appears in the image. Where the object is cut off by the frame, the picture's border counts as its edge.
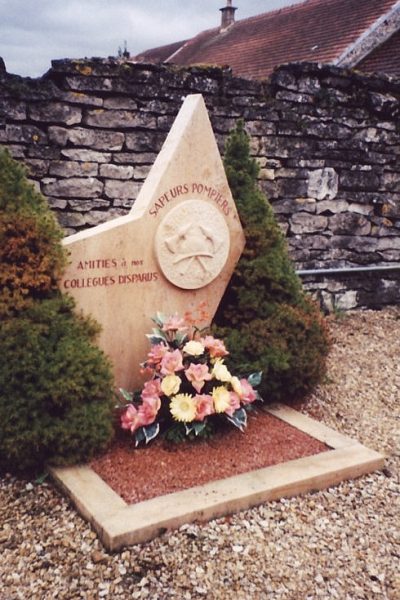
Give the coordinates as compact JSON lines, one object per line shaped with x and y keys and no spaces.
{"x":327,"y":141}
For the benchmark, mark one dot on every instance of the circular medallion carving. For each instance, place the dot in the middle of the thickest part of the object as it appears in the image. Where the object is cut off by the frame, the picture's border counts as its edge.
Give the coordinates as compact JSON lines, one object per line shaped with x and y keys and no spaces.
{"x":192,"y":244}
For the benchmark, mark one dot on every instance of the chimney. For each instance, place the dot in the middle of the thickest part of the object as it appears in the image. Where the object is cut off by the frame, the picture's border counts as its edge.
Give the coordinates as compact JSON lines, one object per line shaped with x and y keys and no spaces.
{"x":227,"y":15}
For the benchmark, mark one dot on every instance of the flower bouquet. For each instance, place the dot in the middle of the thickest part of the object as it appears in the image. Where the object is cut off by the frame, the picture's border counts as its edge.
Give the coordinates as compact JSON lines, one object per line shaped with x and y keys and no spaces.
{"x":189,"y":385}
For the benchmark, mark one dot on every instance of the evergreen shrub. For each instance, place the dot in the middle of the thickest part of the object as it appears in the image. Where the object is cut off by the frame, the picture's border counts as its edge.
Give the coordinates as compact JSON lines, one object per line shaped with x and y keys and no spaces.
{"x":31,"y":256}
{"x":56,"y":387}
{"x":268,"y":322}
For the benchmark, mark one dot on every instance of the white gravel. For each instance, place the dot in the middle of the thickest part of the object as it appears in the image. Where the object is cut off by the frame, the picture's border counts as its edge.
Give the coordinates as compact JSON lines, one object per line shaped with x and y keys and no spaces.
{"x":341,"y":543}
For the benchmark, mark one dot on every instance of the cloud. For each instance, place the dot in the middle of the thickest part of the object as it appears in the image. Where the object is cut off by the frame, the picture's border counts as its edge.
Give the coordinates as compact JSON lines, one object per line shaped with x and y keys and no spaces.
{"x":33,"y":32}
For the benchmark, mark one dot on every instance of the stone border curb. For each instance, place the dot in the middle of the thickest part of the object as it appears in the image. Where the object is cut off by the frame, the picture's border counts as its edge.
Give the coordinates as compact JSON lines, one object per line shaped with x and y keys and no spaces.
{"x":119,"y":524}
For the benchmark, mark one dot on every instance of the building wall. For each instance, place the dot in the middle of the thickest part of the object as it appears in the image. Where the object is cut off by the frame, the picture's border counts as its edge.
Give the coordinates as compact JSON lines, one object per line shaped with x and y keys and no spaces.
{"x":327,"y":141}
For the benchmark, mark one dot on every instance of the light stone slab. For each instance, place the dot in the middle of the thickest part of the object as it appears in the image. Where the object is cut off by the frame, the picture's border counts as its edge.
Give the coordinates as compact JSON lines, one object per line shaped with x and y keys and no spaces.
{"x":119,"y":524}
{"x":176,"y":249}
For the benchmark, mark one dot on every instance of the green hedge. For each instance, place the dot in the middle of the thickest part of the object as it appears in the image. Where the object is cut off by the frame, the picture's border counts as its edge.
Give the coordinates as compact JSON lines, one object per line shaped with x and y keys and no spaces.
{"x":268,"y":321}
{"x":56,"y":386}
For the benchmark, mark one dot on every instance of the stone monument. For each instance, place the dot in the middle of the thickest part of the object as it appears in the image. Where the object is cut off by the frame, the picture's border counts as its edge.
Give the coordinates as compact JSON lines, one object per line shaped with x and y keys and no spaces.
{"x":176,"y":248}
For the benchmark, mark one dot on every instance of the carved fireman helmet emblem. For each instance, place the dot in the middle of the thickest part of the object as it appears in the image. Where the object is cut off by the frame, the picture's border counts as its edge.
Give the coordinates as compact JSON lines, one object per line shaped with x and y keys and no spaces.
{"x":192,"y":244}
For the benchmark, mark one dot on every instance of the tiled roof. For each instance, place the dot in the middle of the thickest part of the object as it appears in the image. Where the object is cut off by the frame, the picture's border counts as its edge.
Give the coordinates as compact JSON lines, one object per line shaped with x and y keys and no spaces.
{"x":385,"y":58}
{"x":315,"y":30}
{"x":162,"y":53}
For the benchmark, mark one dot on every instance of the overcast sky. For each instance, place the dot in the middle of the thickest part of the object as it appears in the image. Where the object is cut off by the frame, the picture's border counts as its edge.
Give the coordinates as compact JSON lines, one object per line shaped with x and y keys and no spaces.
{"x":33,"y":32}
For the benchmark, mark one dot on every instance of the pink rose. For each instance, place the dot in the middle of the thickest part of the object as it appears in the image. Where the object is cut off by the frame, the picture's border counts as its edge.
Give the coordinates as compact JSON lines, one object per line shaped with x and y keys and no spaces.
{"x":151,"y":388}
{"x":204,"y":406}
{"x":148,"y":409}
{"x":248,"y":393}
{"x":171,"y":362}
{"x":234,"y":403}
{"x":198,"y":375}
{"x":156,"y":353}
{"x":215,"y":347}
{"x":131,"y":419}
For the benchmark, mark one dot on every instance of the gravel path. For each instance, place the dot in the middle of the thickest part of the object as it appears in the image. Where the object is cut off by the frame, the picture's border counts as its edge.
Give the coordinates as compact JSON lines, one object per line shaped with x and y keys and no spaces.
{"x":341,"y":543}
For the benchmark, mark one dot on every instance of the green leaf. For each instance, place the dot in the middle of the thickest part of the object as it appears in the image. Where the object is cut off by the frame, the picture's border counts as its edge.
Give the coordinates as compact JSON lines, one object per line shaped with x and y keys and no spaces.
{"x":239,"y":418}
{"x":199,"y":427}
{"x":181,"y":338}
{"x":159,"y":333}
{"x":195,"y":426}
{"x":42,"y":478}
{"x":126,"y":395}
{"x":151,"y":431}
{"x":176,"y":433}
{"x":159,"y":319}
{"x":146,"y":434}
{"x":255,"y":379}
{"x":139,"y":436}
{"x":137,"y":395}
{"x":258,"y":397}
{"x":155,"y":339}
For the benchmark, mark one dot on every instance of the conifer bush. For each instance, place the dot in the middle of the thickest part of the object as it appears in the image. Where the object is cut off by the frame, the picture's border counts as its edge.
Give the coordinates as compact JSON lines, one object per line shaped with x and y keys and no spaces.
{"x":268,"y":322}
{"x":31,"y":256}
{"x":56,"y":387}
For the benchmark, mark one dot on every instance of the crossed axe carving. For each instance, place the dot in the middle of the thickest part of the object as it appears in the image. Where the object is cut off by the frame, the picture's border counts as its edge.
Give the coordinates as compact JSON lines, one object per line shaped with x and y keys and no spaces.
{"x":193,"y":243}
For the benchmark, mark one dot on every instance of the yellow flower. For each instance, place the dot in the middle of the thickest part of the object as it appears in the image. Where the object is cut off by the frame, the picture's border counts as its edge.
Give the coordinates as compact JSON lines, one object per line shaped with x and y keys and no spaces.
{"x":194,"y":348}
{"x":170,"y":385}
{"x":237,"y":386}
{"x":220,"y":372}
{"x":183,"y":408}
{"x":222,"y":399}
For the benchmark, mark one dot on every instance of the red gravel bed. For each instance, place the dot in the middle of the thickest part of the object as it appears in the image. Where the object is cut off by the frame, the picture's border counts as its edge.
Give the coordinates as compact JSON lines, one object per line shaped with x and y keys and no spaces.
{"x":138,"y":474}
